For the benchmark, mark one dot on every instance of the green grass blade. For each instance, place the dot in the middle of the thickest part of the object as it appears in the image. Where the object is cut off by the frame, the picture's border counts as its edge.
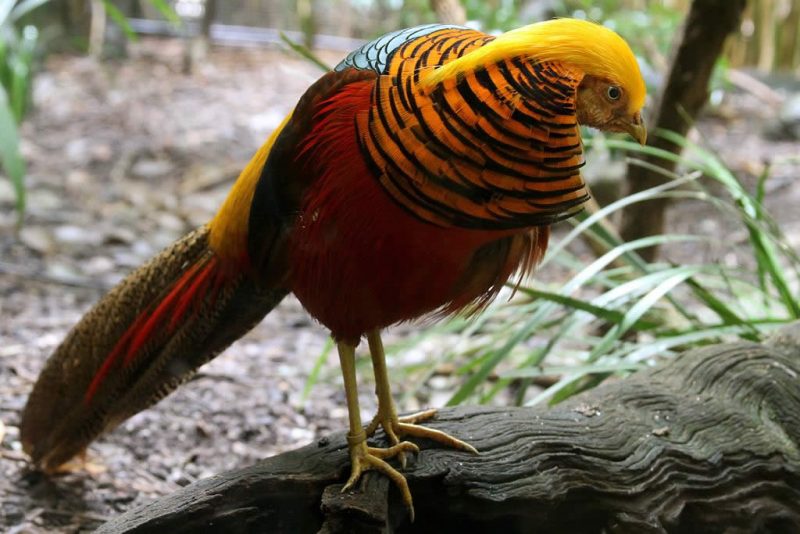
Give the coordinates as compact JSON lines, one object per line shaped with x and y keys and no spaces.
{"x":600,"y":312}
{"x":752,"y":210}
{"x":696,"y":337}
{"x":611,"y":208}
{"x":305,"y":52}
{"x":18,"y":91}
{"x":582,"y":369}
{"x":10,"y":156}
{"x":677,"y":276}
{"x":120,"y":19}
{"x":544,"y":312}
{"x":761,"y":185}
{"x":567,"y":381}
{"x":313,"y":376}
{"x":725,"y":313}
{"x":167,"y":12}
{"x":493,"y":358}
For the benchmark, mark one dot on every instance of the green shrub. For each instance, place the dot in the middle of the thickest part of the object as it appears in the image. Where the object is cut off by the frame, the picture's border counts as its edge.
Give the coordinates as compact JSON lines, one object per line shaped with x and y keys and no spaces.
{"x":17,"y":48}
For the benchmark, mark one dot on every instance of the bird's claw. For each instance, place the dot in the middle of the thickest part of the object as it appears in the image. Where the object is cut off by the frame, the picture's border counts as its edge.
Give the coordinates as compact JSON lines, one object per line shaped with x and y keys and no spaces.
{"x":364,"y":458}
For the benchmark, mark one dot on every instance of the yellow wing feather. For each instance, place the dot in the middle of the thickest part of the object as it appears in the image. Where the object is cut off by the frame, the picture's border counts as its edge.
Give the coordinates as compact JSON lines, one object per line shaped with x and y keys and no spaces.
{"x":228,"y":235}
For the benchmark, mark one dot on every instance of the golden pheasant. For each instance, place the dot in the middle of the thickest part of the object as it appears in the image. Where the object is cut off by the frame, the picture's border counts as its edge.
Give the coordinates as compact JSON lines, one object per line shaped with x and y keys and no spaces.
{"x":412,"y":180}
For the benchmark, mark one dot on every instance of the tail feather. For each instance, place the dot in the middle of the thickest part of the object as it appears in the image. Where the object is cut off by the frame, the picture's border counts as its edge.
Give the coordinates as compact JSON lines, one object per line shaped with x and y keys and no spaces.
{"x":139,"y":342}
{"x":170,"y":311}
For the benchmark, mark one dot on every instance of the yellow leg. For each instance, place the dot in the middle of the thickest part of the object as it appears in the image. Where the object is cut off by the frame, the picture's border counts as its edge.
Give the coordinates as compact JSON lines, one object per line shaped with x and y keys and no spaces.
{"x":362,"y":457}
{"x":394,"y":426}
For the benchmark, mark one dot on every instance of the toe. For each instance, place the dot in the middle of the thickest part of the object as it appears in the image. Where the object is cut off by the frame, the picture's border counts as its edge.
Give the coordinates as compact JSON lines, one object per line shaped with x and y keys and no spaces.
{"x":418,"y":417}
{"x":391,"y":452}
{"x":435,"y":435}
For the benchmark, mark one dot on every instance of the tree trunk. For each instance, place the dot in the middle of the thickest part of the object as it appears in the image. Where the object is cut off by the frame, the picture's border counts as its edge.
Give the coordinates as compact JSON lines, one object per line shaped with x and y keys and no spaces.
{"x":195,"y":47}
{"x":97,"y":29}
{"x":685,"y":92}
{"x":708,"y":442}
{"x":449,"y":11}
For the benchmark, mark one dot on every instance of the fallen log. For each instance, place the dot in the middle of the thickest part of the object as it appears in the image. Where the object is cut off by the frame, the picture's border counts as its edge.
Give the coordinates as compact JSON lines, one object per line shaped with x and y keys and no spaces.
{"x":708,"y":442}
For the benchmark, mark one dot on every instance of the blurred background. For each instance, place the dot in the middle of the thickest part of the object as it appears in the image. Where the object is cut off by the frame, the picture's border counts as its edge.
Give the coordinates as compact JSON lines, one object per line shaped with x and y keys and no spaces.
{"x":123,"y":125}
{"x":767,"y":40}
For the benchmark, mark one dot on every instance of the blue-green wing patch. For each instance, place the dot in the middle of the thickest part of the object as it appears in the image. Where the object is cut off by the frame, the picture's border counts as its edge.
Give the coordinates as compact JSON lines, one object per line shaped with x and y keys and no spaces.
{"x":375,"y":54}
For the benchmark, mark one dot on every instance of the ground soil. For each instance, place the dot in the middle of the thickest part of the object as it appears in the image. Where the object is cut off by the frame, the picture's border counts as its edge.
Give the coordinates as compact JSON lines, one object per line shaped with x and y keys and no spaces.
{"x":127,"y":155}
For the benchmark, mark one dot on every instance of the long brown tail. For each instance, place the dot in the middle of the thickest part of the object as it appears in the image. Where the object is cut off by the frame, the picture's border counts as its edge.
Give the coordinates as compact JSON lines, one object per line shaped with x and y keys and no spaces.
{"x":138,"y":343}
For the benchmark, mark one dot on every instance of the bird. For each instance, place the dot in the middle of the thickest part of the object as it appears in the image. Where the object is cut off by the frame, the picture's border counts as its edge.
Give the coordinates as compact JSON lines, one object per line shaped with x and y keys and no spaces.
{"x":411,"y":181}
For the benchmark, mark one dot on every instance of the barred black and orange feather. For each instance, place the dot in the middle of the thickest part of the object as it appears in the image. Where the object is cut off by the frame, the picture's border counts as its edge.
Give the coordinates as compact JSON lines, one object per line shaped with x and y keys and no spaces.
{"x":487,"y":152}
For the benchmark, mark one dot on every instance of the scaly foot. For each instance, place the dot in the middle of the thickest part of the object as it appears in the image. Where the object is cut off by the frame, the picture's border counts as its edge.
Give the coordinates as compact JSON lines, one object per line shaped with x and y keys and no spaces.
{"x":364,"y":458}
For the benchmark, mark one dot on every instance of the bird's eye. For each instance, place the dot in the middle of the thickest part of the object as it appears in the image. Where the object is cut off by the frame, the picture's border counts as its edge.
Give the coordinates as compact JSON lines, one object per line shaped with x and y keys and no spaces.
{"x":614,"y":92}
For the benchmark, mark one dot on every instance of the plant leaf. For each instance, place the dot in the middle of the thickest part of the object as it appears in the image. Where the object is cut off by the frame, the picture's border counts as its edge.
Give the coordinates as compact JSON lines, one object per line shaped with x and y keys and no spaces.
{"x":25,"y":7}
{"x":5,"y":10}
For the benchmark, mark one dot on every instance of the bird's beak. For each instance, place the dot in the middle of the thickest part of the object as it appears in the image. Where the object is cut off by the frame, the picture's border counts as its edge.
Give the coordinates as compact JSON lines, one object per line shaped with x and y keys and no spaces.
{"x":636,"y":128}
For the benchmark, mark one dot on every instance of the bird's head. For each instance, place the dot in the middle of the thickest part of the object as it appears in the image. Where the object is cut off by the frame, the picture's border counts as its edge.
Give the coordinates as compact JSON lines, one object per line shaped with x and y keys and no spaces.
{"x":606,"y":105}
{"x":612,"y":91}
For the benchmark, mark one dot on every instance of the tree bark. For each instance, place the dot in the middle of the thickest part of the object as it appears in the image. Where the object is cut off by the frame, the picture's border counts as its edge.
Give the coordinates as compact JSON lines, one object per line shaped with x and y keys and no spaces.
{"x":685,"y":92}
{"x":708,"y":442}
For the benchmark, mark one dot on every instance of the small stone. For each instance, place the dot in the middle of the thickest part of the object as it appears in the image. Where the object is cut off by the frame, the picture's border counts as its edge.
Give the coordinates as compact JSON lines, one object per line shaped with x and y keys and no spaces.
{"x":152,"y":168}
{"x":101,"y":152}
{"x":439,"y":382}
{"x":77,"y":151}
{"x":7,"y":194}
{"x":143,"y":249}
{"x":98,"y":265}
{"x":44,"y":200}
{"x":301,"y":435}
{"x":63,"y":271}
{"x":786,"y":127}
{"x":76,"y":235}
{"x":77,"y":179}
{"x":168,"y":221}
{"x":37,"y":238}
{"x":120,"y":235}
{"x":586,"y":410}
